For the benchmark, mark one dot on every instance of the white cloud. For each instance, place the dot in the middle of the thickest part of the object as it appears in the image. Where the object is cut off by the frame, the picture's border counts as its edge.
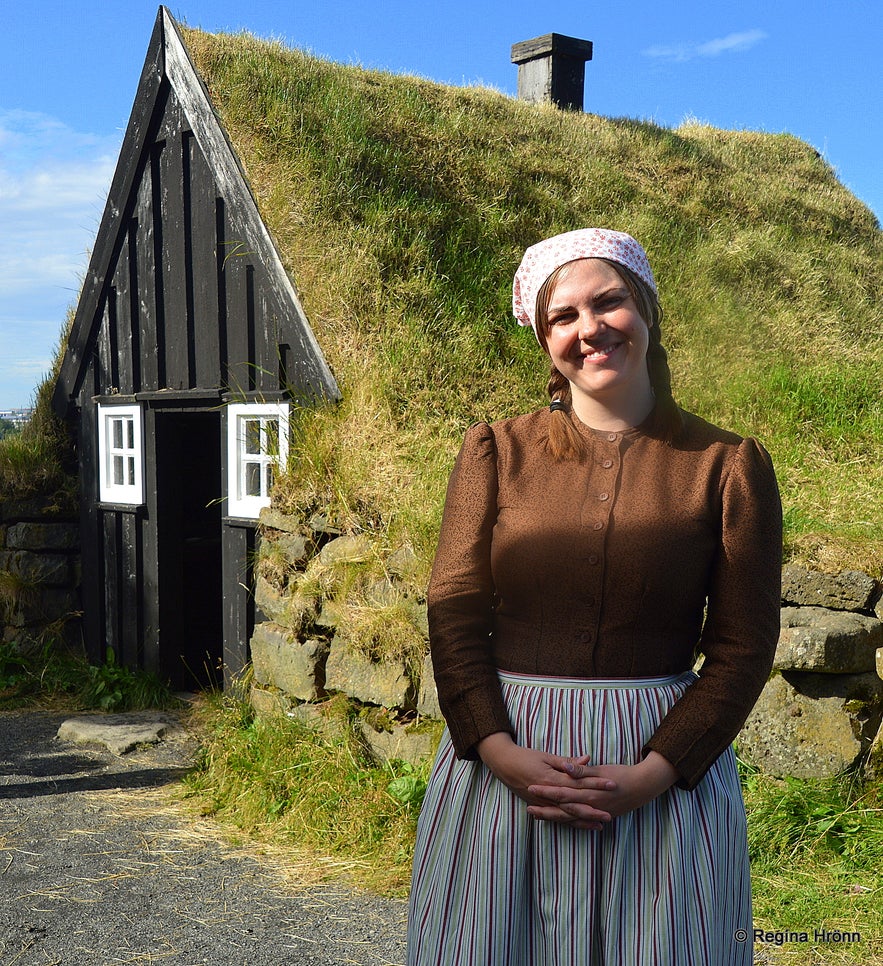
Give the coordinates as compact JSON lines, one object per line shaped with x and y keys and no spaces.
{"x":732,"y":43}
{"x":53,"y":183}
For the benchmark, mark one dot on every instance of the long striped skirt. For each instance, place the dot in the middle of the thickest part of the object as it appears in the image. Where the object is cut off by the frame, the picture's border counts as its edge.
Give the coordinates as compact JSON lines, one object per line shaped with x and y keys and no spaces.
{"x":665,"y":885}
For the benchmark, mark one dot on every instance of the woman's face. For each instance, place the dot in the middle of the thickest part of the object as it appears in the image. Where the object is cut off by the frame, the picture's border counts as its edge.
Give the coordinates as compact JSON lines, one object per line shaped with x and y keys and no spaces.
{"x":596,"y":338}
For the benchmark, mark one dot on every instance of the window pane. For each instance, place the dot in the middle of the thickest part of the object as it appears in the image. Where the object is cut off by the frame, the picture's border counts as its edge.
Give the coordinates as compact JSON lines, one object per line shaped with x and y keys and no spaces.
{"x":117,"y":433}
{"x":118,"y":475}
{"x":130,"y":434}
{"x":271,"y":467}
{"x":131,"y":464}
{"x":253,"y":479}
{"x":252,"y":436}
{"x":271,"y":441}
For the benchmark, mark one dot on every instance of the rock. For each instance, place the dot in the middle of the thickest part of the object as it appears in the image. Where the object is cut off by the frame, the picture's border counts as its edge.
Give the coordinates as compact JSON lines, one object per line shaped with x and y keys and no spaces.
{"x":296,"y":547}
{"x":120,"y":734}
{"x":850,"y":590}
{"x":268,"y":600}
{"x":281,"y":661}
{"x":269,"y":702}
{"x":810,"y":725}
{"x":404,"y":563}
{"x":427,"y":699}
{"x":321,"y":526}
{"x":874,"y":766}
{"x":43,"y":536}
{"x":382,"y":593}
{"x":275,"y":519}
{"x":349,"y":548}
{"x":386,"y":683}
{"x":401,"y":743}
{"x":827,"y":641}
{"x":37,"y":568}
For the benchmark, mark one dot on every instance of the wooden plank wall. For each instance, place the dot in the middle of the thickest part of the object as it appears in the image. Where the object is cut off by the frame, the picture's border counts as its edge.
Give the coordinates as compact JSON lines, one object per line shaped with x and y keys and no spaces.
{"x":186,"y":307}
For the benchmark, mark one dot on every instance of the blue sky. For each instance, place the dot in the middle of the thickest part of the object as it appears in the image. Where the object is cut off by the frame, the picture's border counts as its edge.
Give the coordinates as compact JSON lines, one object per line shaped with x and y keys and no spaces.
{"x":69,"y":70}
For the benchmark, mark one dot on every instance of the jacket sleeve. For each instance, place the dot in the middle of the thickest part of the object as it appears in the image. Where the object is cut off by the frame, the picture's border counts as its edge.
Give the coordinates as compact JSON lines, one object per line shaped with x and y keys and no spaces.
{"x":742,"y":621}
{"x":460,"y":599}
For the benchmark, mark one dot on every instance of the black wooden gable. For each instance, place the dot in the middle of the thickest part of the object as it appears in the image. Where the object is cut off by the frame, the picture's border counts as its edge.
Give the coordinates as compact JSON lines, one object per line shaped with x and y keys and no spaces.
{"x":186,"y":307}
{"x":185,"y":289}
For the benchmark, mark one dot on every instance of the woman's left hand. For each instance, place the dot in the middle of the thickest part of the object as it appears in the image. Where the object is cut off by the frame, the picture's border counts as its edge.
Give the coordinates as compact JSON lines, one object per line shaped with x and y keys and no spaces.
{"x":635,"y":786}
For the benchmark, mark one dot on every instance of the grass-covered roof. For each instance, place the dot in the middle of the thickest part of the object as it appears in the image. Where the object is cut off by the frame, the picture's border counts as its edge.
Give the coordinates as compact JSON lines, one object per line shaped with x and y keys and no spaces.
{"x":401,"y":208}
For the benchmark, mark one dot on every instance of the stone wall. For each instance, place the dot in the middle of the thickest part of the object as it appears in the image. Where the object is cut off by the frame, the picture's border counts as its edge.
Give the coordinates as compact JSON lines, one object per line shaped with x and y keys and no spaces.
{"x":333,"y":602}
{"x":818,"y":715}
{"x":39,"y":574}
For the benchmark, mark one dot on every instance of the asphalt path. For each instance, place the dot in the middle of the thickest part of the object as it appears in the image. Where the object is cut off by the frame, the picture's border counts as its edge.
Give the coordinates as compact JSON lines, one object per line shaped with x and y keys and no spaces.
{"x":102,"y":863}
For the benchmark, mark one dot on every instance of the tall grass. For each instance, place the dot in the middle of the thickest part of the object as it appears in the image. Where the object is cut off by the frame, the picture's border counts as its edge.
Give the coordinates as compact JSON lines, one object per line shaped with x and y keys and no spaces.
{"x":402,"y":207}
{"x":316,"y":793}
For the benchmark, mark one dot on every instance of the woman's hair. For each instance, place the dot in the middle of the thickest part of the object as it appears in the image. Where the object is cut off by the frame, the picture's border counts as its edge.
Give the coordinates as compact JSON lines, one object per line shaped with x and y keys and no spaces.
{"x":565,"y":441}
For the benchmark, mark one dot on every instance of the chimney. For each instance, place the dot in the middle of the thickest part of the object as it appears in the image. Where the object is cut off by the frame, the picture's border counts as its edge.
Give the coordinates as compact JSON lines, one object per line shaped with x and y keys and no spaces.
{"x":552,"y":70}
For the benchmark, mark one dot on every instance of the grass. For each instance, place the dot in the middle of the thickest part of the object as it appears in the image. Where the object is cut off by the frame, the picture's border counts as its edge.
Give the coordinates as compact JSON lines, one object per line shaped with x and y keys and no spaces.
{"x":816,"y":847}
{"x":54,"y":676}
{"x":402,"y":207}
{"x":319,"y":793}
{"x":816,"y":852}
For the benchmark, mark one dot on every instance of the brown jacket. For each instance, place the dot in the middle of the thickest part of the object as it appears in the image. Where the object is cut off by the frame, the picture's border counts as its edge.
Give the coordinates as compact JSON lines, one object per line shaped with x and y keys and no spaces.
{"x":603,"y":568}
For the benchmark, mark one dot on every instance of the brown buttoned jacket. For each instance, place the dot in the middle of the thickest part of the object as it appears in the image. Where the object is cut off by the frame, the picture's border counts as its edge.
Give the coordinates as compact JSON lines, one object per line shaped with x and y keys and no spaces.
{"x":630,"y":562}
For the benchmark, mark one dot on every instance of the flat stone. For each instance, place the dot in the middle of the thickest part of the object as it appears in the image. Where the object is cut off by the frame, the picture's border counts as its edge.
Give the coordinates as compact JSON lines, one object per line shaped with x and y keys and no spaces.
{"x":275,"y":519}
{"x":385,"y":684}
{"x":37,"y":568}
{"x":120,"y":733}
{"x":427,"y":698}
{"x":874,"y":766}
{"x":850,"y":590}
{"x":280,"y":660}
{"x":401,"y":744}
{"x":827,"y":641}
{"x":348,"y":548}
{"x":43,"y":536}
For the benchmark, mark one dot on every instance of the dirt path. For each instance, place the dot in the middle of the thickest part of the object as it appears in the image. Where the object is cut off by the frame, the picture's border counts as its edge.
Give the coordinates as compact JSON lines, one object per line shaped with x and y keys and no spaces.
{"x":100,"y":865}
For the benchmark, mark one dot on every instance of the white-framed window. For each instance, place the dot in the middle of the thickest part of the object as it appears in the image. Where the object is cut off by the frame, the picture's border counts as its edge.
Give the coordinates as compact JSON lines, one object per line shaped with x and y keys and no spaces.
{"x":257,"y":446}
{"x":120,"y":454}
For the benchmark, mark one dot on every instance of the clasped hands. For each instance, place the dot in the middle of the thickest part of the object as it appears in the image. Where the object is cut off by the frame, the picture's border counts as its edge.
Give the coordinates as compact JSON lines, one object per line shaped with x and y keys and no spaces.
{"x":570,"y":790}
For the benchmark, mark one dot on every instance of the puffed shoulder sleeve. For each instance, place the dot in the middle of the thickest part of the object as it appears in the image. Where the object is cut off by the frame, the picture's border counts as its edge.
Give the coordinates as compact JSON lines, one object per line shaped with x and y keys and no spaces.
{"x":460,"y":598}
{"x":742,"y":622}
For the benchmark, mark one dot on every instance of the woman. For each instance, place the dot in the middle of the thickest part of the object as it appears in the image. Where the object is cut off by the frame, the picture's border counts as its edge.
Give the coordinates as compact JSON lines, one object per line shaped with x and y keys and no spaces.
{"x":584,"y":806}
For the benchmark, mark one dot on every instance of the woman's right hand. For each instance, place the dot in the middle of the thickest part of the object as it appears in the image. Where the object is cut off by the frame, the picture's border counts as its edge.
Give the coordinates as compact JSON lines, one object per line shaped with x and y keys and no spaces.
{"x":519,"y":768}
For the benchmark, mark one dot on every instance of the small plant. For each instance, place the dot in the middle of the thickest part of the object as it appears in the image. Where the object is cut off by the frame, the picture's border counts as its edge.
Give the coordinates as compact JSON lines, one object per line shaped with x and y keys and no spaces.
{"x":314,"y":788}
{"x":408,"y":786}
{"x":13,"y":667}
{"x":112,"y":687}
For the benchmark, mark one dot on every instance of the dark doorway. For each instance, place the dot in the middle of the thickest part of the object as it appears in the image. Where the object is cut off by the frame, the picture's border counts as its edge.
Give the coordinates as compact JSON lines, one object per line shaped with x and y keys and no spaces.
{"x":189,"y":487}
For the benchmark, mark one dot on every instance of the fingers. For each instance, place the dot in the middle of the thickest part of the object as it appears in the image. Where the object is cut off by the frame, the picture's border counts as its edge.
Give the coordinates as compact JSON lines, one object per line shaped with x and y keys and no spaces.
{"x":577,"y":816}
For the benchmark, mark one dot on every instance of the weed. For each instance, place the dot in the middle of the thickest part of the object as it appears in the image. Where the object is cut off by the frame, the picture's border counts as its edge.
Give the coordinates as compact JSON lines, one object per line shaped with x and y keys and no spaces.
{"x":50,"y":674}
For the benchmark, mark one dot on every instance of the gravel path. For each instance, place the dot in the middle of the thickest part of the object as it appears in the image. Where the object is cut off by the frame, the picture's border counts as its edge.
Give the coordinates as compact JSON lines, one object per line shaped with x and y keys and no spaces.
{"x":100,"y":865}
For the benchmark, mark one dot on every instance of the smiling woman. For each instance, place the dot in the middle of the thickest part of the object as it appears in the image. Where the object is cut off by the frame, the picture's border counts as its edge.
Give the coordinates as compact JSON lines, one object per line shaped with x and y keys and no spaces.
{"x":572,"y":588}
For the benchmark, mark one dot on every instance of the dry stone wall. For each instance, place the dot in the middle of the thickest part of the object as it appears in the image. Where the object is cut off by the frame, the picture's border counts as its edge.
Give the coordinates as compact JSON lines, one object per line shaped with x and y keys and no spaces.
{"x":819,"y":714}
{"x":39,"y":574}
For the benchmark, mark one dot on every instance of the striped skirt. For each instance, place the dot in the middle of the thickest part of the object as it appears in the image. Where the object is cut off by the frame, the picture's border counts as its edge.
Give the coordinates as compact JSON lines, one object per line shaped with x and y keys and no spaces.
{"x":665,"y":885}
